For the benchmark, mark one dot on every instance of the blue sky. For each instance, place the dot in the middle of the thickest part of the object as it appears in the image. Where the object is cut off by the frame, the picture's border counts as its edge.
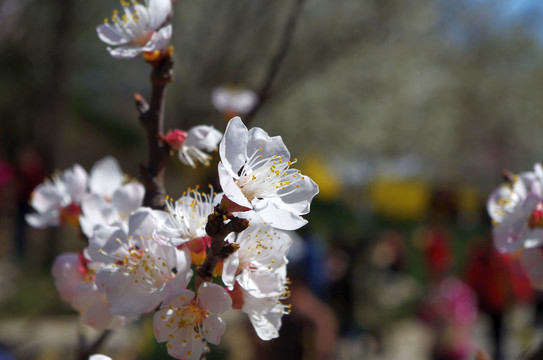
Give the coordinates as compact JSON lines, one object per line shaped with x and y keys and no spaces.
{"x":503,"y":15}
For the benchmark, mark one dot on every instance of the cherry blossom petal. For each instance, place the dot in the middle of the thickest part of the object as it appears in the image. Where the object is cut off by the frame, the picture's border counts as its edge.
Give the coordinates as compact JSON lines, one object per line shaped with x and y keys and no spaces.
{"x":271,"y":146}
{"x":214,"y":298}
{"x":46,"y":197}
{"x":191,"y":350}
{"x":94,"y":308}
{"x":128,"y":198}
{"x":229,"y":268}
{"x":203,"y":137}
{"x":264,"y":283}
{"x":214,"y":327}
{"x":159,"y":320}
{"x":97,"y":316}
{"x":108,"y":34}
{"x":104,"y":241}
{"x":159,"y":40}
{"x":125,"y":52}
{"x":300,"y":199}
{"x":233,"y":147}
{"x":159,"y":10}
{"x":99,"y":357}
{"x":141,"y":223}
{"x":277,"y":216}
{"x":95,"y":211}
{"x":180,"y":281}
{"x":266,"y":325}
{"x":43,"y":220}
{"x":65,"y":270}
{"x":233,"y":100}
{"x":136,"y":28}
{"x":105,"y":177}
{"x":75,"y":180}
{"x":230,"y":188}
{"x":534,"y":238}
{"x":126,"y":296}
{"x":180,"y":298}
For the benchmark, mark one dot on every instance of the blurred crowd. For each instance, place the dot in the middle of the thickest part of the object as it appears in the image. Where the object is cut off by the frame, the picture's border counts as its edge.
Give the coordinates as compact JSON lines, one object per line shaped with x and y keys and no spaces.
{"x":352,"y":286}
{"x":438,"y":271}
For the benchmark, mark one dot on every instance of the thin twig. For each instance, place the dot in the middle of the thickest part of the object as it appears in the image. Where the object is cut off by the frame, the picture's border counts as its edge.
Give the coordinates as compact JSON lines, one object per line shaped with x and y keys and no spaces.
{"x":277,"y":60}
{"x":86,"y":351}
{"x":152,"y":120}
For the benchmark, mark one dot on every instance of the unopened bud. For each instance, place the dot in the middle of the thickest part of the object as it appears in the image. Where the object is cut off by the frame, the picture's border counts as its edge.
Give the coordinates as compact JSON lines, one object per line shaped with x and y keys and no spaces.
{"x":175,"y":138}
{"x":214,"y":225}
{"x":228,"y":249}
{"x":238,"y":225}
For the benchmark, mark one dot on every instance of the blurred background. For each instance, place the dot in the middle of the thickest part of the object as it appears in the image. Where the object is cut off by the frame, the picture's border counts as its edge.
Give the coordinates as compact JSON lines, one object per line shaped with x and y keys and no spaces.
{"x":405,"y":112}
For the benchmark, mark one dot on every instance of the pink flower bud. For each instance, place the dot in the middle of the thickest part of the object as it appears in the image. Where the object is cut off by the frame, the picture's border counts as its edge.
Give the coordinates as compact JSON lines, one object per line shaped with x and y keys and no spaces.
{"x":175,"y":138}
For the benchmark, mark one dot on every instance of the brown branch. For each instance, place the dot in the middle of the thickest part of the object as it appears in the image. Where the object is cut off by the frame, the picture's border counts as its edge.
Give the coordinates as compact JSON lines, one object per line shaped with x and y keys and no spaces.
{"x":85,"y":351}
{"x":152,"y":119}
{"x":277,"y":60}
{"x":218,"y":230}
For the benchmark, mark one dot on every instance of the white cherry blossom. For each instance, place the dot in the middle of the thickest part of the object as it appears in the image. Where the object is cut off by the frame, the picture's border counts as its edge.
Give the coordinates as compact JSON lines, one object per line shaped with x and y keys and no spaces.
{"x":110,"y":200}
{"x":265,"y":312}
{"x":186,"y":319}
{"x":255,"y":172}
{"x":261,"y":249}
{"x":57,"y":201}
{"x":194,"y":145}
{"x":233,"y":100}
{"x":75,"y":282}
{"x":516,"y":210}
{"x":139,"y":272}
{"x":185,"y":223}
{"x":139,"y":29}
{"x":186,"y":218}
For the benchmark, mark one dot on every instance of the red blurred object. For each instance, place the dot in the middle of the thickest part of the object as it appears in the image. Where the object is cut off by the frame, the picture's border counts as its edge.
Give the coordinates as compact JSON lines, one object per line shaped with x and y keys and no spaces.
{"x":437,"y":251}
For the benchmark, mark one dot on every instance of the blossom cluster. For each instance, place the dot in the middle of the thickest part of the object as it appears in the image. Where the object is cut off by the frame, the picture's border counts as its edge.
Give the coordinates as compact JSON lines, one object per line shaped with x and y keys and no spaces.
{"x":141,"y":260}
{"x":516,"y":211}
{"x":203,"y":253}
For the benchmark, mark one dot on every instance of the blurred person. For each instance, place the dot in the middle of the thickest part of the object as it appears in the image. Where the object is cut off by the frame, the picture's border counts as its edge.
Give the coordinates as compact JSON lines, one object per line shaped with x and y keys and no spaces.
{"x":388,"y":289}
{"x":450,"y":308}
{"x":339,"y":271}
{"x":389,"y":251}
{"x":489,"y":276}
{"x":311,"y":330}
{"x":435,"y":239}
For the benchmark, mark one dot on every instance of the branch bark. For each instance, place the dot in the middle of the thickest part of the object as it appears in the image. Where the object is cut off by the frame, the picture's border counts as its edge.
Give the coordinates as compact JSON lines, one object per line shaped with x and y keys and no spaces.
{"x":218,"y":230}
{"x":152,"y":119}
{"x":87,"y":350}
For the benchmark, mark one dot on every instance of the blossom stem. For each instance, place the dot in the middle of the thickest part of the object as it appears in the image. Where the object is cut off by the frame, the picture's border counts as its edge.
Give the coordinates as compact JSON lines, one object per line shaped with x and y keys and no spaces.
{"x":218,"y":230}
{"x":85,"y":351}
{"x":152,"y":119}
{"x":277,"y":60}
